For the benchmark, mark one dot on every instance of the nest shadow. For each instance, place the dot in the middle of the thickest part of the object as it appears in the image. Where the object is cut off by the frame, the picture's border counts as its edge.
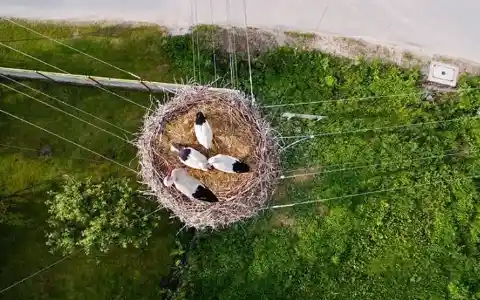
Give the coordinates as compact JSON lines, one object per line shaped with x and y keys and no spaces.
{"x":239,"y":131}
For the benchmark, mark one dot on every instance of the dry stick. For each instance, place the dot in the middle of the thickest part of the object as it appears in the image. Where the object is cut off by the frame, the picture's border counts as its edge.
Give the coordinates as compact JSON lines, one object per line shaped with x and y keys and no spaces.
{"x":365,"y":193}
{"x":67,"y":113}
{"x":72,"y":48}
{"x":65,"y":103}
{"x":367,"y":166}
{"x":98,"y":85}
{"x":66,"y":139}
{"x":248,"y":50}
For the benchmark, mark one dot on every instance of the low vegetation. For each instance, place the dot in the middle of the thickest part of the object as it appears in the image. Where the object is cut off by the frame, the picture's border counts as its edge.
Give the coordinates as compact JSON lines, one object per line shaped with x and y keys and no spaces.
{"x":394,"y":213}
{"x":99,"y":216}
{"x":26,"y":176}
{"x":418,"y":239}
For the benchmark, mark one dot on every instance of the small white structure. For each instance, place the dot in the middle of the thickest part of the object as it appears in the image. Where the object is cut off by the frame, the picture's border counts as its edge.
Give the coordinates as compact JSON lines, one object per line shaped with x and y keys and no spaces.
{"x":442,"y":73}
{"x":290,"y":115}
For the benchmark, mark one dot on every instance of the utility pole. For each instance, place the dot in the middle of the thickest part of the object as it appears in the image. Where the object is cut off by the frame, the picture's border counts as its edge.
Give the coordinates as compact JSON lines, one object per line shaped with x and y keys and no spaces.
{"x":105,"y":82}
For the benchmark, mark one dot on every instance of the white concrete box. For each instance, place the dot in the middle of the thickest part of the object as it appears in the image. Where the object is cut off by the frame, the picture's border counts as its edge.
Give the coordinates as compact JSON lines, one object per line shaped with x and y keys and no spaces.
{"x":442,"y":73}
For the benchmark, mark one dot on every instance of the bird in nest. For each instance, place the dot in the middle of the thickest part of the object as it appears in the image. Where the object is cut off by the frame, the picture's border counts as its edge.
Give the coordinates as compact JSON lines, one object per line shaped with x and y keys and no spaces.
{"x":190,"y":157}
{"x":228,"y":164}
{"x":203,"y":131}
{"x":189,"y":186}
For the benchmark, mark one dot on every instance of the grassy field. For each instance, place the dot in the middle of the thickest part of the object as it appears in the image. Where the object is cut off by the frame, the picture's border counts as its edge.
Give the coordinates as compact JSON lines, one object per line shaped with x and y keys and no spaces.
{"x":420,"y":241}
{"x":123,"y":274}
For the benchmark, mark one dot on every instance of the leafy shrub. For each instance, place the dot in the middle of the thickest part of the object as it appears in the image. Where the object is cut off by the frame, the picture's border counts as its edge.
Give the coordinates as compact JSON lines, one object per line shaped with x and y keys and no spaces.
{"x":98,"y":216}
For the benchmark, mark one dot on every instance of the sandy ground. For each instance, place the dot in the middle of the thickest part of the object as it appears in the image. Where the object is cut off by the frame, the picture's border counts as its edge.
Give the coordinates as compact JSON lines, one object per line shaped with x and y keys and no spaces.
{"x":429,"y":26}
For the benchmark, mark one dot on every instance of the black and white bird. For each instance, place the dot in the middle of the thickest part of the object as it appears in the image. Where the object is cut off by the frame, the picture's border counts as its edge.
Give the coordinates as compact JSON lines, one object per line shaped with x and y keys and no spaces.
{"x":227,"y":163}
{"x":190,"y":157}
{"x":189,"y":186}
{"x":203,"y":131}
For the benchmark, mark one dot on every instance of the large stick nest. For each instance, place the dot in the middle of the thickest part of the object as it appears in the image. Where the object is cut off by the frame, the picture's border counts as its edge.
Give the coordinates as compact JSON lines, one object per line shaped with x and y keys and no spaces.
{"x":239,"y":131}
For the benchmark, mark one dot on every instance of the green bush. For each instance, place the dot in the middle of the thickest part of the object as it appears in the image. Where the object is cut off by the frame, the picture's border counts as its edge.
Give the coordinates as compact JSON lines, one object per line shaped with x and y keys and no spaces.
{"x":98,"y":216}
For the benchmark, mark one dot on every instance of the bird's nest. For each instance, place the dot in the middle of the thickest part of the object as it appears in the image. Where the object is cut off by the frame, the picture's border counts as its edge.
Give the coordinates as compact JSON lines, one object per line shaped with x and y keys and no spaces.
{"x":238,"y":130}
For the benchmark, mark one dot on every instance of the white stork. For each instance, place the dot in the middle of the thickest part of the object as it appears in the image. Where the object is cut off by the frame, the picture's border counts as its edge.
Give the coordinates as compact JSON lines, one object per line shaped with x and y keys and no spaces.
{"x":190,"y":157}
{"x":229,"y":164}
{"x":189,"y":186}
{"x":203,"y":131}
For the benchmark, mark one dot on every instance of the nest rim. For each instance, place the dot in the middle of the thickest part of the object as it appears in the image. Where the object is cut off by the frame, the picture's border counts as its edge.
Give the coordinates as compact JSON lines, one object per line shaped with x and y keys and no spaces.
{"x":249,"y":198}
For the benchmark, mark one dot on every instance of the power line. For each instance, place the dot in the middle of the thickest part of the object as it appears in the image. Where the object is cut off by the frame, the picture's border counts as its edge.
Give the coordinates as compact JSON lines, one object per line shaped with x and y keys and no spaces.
{"x":97,"y":84}
{"x":67,"y":140}
{"x":85,"y":35}
{"x":364,"y":194}
{"x":192,"y":3}
{"x":18,"y":147}
{"x":66,"y":103}
{"x":332,"y":165}
{"x":36,"y":150}
{"x":198,"y":44}
{"x":359,"y":99}
{"x":294,"y":143}
{"x":64,"y":258}
{"x":312,"y":136}
{"x":213,"y":45}
{"x":234,"y":48}
{"x":248,"y":50}
{"x":367,"y":166}
{"x":67,"y":113}
{"x":38,"y":272}
{"x":72,"y":48}
{"x":230,"y":46}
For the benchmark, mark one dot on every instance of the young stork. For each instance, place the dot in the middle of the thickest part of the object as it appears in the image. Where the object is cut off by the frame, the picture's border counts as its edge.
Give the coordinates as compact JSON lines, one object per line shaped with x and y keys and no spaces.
{"x":189,"y":186}
{"x":203,"y":131}
{"x":190,"y":157}
{"x":229,"y":164}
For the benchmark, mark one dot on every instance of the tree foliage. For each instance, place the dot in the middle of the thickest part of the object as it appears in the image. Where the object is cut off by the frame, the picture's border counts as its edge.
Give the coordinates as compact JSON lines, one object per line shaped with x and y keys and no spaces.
{"x":98,"y":216}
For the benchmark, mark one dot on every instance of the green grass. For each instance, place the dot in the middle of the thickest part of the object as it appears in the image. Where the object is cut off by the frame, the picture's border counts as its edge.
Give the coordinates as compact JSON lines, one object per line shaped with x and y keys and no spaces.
{"x":123,"y":274}
{"x":419,"y":242}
